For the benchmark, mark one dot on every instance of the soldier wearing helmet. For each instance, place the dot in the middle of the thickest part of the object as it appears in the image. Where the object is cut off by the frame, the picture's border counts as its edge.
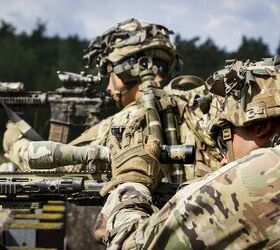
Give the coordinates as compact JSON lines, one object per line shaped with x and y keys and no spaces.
{"x":250,"y":91}
{"x":235,"y":207}
{"x":117,"y":51}
{"x":117,"y":54}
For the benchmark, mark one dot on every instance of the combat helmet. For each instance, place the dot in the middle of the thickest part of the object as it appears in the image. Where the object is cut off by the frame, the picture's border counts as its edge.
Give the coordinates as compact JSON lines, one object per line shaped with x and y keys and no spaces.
{"x":119,"y":48}
{"x":244,"y":92}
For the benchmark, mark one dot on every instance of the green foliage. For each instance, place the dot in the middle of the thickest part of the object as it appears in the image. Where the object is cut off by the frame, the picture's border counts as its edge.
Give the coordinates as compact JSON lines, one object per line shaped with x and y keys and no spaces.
{"x":278,"y":49}
{"x":251,"y":48}
{"x":200,"y":59}
{"x":35,"y":58}
{"x":204,"y":58}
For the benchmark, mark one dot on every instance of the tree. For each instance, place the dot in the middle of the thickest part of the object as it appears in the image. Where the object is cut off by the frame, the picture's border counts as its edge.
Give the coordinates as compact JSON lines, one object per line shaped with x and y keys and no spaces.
{"x":251,"y":48}
{"x":34,"y":59}
{"x":200,"y":59}
{"x":7,"y":30}
{"x":278,"y":49}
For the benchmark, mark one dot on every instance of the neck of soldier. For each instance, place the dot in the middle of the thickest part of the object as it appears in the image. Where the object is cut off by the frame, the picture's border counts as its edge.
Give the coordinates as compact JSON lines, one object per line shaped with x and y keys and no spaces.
{"x":247,"y":139}
{"x":134,"y":93}
{"x":130,"y":95}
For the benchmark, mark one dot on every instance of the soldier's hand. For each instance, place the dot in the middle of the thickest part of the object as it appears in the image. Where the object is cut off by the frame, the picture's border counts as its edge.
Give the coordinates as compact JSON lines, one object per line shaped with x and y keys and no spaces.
{"x":16,"y":146}
{"x":135,"y":159}
{"x":11,"y":135}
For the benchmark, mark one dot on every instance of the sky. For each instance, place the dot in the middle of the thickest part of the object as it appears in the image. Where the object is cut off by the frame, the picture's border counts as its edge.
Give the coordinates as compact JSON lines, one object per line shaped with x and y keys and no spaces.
{"x":225,"y":21}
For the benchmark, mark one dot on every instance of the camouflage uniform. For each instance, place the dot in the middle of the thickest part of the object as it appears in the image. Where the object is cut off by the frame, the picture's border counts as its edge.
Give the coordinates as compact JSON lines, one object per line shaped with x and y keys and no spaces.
{"x":193,"y":132}
{"x":192,"y":127}
{"x":235,"y":207}
{"x":99,"y":133}
{"x":16,"y":146}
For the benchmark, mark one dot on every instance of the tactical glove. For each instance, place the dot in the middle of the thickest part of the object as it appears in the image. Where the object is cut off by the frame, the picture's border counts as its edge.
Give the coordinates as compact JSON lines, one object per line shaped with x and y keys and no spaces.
{"x":15,"y":146}
{"x":135,"y":159}
{"x":11,"y":135}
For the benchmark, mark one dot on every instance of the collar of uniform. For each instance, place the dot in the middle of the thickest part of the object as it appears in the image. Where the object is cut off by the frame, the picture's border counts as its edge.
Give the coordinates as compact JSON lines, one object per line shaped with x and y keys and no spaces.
{"x":129,"y":105}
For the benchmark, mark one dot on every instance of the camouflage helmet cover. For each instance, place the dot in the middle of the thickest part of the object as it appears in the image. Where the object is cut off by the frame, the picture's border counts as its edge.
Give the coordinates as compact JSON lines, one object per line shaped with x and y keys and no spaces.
{"x":246,"y":92}
{"x":129,"y":38}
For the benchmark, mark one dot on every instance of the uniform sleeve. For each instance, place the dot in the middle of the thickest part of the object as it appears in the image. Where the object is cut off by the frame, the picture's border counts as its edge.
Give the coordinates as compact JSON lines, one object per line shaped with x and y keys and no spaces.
{"x":128,"y":220}
{"x":235,"y":208}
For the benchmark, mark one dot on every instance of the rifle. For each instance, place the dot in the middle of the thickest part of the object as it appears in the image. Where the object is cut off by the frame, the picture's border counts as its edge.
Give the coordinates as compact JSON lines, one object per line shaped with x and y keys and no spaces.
{"x":74,"y":107}
{"x":26,"y":188}
{"x":35,"y":188}
{"x":80,"y":188}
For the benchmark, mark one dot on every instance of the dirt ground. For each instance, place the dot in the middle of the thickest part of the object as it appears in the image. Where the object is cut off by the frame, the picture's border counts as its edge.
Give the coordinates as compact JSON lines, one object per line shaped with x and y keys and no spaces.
{"x":79,"y":225}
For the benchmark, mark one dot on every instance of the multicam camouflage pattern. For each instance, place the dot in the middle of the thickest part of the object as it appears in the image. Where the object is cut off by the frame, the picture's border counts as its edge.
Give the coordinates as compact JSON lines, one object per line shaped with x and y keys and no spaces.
{"x":127,"y":39}
{"x":193,"y":132}
{"x":251,"y":91}
{"x":135,"y":158}
{"x":99,"y":133}
{"x":16,"y":146}
{"x":236,"y":207}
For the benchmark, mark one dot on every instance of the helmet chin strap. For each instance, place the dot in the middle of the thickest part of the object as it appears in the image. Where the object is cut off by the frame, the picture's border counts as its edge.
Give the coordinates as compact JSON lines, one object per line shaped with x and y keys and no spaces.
{"x":117,"y":93}
{"x":227,"y":137}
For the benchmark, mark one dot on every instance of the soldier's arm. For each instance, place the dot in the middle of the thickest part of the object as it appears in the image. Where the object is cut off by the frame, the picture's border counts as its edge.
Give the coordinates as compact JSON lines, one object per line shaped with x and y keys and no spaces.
{"x":233,"y":207}
{"x":20,"y":151}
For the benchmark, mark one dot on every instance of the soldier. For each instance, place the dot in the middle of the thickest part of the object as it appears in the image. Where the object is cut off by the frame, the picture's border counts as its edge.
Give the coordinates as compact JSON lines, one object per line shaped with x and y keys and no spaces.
{"x":237,"y":206}
{"x":116,"y":54}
